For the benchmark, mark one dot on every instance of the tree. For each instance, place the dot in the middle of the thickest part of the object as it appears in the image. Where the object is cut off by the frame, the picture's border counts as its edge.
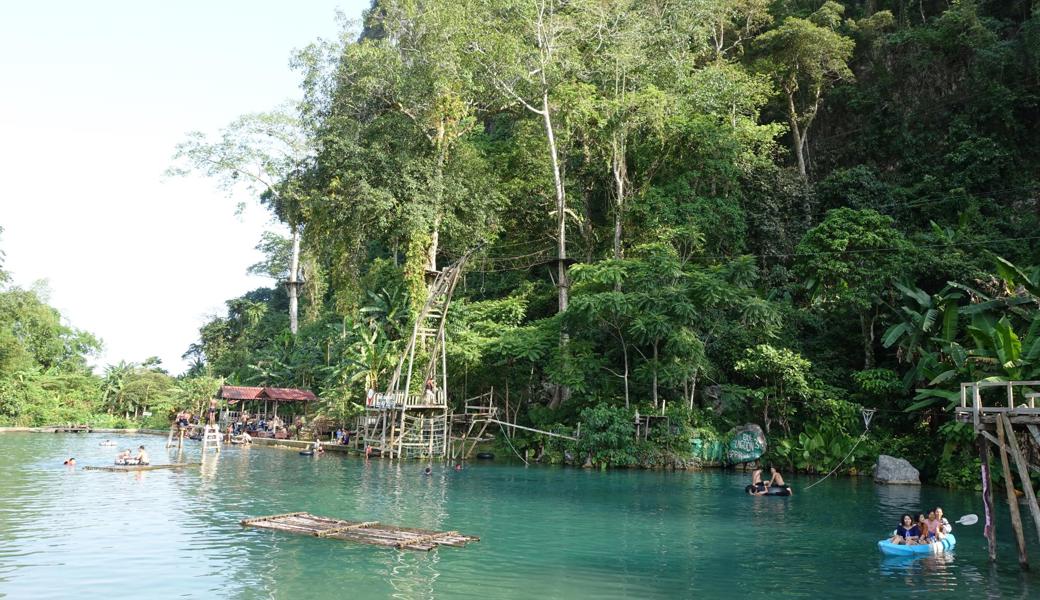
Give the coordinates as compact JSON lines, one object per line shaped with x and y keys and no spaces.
{"x":806,"y":57}
{"x":781,"y":375}
{"x":850,"y":261}
{"x":265,"y":153}
{"x":527,"y":50}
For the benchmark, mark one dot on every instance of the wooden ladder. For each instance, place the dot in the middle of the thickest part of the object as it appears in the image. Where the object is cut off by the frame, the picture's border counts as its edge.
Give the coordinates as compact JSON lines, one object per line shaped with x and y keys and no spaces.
{"x":179,"y":432}
{"x":211,"y":438}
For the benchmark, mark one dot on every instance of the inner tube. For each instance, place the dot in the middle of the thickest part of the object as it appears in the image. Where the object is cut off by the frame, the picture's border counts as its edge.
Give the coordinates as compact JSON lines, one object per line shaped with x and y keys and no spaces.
{"x":773,"y":491}
{"x":306,"y":452}
{"x":485,"y":456}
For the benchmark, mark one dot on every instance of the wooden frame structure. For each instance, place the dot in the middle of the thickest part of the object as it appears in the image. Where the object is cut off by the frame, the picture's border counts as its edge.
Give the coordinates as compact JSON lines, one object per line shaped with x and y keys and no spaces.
{"x":365,"y":532}
{"x":1016,"y":409}
{"x":412,"y":421}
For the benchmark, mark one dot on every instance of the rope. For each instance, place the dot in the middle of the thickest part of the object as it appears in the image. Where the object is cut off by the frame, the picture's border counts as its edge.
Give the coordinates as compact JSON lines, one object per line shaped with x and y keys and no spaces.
{"x":506,"y":435}
{"x":835,"y":469}
{"x":868,"y":414}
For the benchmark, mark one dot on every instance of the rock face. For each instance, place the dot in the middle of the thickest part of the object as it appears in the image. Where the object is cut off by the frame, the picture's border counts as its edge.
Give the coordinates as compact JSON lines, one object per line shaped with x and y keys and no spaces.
{"x":894,"y":470}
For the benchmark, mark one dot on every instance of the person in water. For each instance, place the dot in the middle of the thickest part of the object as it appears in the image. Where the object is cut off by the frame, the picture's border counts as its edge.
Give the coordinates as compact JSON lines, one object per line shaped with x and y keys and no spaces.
{"x":71,"y":462}
{"x":142,"y":456}
{"x":907,"y":532}
{"x":318,"y":448}
{"x":427,"y":471}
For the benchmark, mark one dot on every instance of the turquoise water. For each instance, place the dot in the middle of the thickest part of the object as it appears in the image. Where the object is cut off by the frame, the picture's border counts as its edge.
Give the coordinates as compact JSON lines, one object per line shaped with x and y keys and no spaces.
{"x":545,"y":532}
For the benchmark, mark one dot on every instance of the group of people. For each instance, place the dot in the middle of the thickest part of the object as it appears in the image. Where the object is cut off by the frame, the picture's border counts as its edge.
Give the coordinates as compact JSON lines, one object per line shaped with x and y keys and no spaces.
{"x":926,"y":530}
{"x":342,"y":437}
{"x":127,"y":458}
{"x":774,"y":487}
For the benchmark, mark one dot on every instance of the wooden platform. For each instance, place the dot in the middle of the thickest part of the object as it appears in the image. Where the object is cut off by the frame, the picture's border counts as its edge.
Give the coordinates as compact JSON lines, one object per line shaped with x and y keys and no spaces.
{"x":142,"y":467}
{"x":367,"y":532}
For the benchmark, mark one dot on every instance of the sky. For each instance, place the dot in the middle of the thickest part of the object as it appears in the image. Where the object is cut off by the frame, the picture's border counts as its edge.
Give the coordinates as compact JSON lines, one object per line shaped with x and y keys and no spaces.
{"x":94,"y":97}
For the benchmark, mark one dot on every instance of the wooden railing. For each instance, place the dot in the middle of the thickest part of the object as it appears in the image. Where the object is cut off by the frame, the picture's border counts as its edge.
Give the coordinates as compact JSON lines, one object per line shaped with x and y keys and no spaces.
{"x":975,"y":406}
{"x":402,"y":399}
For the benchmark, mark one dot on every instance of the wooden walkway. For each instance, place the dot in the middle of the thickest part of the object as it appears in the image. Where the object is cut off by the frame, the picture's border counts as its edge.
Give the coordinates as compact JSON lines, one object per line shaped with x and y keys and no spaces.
{"x":367,"y":532}
{"x":142,"y":467}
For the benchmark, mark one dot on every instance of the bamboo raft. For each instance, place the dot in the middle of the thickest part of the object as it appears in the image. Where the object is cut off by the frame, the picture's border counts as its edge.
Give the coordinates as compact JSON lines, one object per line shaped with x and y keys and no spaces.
{"x":142,"y":467}
{"x":366,"y":532}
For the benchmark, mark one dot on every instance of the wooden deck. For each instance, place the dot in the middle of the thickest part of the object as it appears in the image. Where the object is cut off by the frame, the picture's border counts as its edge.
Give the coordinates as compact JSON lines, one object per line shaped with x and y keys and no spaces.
{"x":1019,"y":404}
{"x":365,"y":532}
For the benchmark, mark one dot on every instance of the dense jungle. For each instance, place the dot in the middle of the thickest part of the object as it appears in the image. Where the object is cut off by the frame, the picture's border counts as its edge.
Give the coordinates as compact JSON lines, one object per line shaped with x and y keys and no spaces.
{"x":721,"y":211}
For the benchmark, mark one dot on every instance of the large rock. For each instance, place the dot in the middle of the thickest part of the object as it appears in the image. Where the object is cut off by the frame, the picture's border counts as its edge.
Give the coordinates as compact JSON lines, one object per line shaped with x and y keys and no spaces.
{"x":892,"y":470}
{"x":747,"y":445}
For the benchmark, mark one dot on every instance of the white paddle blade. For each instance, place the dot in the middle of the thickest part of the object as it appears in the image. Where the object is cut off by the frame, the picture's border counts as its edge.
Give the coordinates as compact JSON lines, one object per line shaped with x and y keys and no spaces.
{"x":968,"y":520}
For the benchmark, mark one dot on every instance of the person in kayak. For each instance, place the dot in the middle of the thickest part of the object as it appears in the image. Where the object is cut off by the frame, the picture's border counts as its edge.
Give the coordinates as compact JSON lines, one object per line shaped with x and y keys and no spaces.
{"x":935,"y":526}
{"x":946,"y":527}
{"x":907,"y":532}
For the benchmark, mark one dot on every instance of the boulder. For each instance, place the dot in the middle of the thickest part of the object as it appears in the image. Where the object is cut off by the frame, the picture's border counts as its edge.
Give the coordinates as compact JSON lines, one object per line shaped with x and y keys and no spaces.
{"x":892,"y":470}
{"x":748,"y":444}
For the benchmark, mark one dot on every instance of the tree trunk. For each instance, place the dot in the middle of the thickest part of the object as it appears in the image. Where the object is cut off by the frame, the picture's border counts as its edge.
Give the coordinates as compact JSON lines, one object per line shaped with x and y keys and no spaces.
{"x":798,"y":136}
{"x":438,"y":198}
{"x":562,"y":393}
{"x":619,"y":169}
{"x":561,"y":205}
{"x":654,"y":387}
{"x":624,"y":352}
{"x":294,"y":268}
{"x":867,"y":327}
{"x":693,"y":387}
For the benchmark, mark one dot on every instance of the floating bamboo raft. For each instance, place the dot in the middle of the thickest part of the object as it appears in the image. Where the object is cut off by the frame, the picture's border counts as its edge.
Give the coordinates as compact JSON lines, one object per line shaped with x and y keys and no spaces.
{"x":366,"y":532}
{"x":142,"y":467}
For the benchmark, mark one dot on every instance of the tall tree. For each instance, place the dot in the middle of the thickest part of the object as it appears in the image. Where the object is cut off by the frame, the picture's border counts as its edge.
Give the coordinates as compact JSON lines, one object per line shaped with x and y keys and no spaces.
{"x":806,"y":57}
{"x":265,"y":153}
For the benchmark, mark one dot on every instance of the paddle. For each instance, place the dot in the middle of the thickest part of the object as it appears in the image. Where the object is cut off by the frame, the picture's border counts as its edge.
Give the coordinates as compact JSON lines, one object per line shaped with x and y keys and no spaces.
{"x":967,"y":520}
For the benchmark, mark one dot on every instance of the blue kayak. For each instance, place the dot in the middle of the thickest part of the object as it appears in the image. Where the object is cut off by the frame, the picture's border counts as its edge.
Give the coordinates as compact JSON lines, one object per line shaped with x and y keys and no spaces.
{"x":944,"y":545}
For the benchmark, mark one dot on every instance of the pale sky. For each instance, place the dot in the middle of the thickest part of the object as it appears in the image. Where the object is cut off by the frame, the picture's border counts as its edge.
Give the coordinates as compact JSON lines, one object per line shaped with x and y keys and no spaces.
{"x":94,"y":96}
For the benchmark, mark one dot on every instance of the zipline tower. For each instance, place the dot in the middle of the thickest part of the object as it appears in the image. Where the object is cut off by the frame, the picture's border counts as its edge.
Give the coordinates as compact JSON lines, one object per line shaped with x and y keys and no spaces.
{"x":1004,"y":414}
{"x":411,"y":419}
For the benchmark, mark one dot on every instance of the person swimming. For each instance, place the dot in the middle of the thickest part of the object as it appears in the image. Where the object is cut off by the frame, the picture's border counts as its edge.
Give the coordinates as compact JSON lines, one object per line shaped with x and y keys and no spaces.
{"x":427,"y":471}
{"x":71,"y":462}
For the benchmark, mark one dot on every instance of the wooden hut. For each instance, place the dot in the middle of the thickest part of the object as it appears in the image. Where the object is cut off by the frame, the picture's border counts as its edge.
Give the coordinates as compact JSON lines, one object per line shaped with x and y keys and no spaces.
{"x":261,"y":402}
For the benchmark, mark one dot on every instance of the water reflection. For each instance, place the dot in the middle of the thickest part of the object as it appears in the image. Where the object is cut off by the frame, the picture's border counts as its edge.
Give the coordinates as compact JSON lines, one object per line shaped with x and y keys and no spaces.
{"x":894,"y":500}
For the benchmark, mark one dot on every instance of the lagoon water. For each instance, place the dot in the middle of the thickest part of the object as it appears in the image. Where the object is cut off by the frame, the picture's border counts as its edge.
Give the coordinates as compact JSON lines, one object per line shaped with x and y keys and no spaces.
{"x":545,"y":532}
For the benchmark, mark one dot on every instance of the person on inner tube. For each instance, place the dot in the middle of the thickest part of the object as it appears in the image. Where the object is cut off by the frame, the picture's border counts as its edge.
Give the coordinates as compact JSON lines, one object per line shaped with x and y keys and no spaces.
{"x":756,"y":480}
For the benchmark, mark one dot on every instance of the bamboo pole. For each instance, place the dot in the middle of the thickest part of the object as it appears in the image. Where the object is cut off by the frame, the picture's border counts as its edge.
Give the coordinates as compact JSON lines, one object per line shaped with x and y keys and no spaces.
{"x":335,"y":530}
{"x":422,"y":539}
{"x":1023,"y":474}
{"x":271,"y":518}
{"x":1009,"y":486}
{"x":989,"y":529}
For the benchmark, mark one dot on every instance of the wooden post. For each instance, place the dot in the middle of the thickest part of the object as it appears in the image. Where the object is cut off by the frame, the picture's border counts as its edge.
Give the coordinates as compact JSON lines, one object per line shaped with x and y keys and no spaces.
{"x":1023,"y":473}
{"x":989,"y":529}
{"x":1009,"y":486}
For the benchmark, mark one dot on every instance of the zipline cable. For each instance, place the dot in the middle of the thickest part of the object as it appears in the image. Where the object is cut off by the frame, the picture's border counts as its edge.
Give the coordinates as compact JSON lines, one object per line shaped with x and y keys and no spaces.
{"x":868,"y":414}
